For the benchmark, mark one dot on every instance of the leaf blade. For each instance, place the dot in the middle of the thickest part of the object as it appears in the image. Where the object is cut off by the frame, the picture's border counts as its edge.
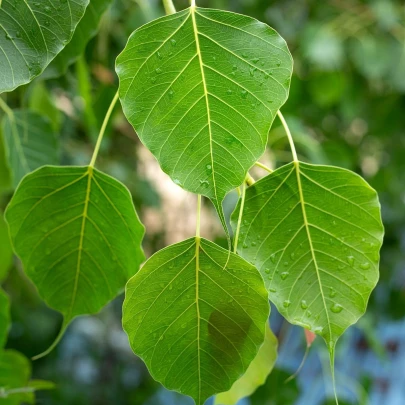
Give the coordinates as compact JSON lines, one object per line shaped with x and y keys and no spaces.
{"x":216,"y":334}
{"x":321,"y":271}
{"x":79,"y":237}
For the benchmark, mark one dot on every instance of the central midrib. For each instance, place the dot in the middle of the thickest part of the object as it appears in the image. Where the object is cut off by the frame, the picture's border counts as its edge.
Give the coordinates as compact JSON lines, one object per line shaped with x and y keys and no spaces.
{"x":304,"y":214}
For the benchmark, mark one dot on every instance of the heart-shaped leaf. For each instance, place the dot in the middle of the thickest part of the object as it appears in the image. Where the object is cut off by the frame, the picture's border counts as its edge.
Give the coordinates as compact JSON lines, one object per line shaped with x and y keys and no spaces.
{"x":196,"y":314}
{"x":78,"y":235}
{"x":256,"y":374}
{"x":4,"y":317}
{"x":32,"y":33}
{"x":314,"y":232}
{"x":85,"y":30}
{"x":29,"y":141}
{"x":201,"y":88}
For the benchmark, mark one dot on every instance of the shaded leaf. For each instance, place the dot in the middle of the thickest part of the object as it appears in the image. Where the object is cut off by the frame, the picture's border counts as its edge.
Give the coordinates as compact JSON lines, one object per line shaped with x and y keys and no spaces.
{"x":85,"y":30}
{"x":4,"y":317}
{"x":256,"y":374}
{"x":15,"y":371}
{"x":32,"y":33}
{"x":201,"y":88}
{"x":5,"y":178}
{"x":78,"y":235}
{"x":29,"y":142}
{"x":196,"y":314}
{"x":314,"y":232}
{"x":6,"y":251}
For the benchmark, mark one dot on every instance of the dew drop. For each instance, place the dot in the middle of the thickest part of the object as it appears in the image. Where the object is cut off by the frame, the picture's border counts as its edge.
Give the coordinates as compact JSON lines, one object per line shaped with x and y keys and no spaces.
{"x":255,"y":60}
{"x":365,"y":266}
{"x":304,"y":304}
{"x":173,"y":42}
{"x":309,"y":314}
{"x":244,"y":93}
{"x":292,"y":255}
{"x":284,"y":275}
{"x":336,"y":308}
{"x":273,"y":290}
{"x":267,"y":271}
{"x":253,"y":243}
{"x":208,"y":167}
{"x":332,"y":293}
{"x":18,"y":34}
{"x":171,"y":94}
{"x":286,"y":303}
{"x":245,"y":245}
{"x":273,"y":258}
{"x":159,"y":55}
{"x":350,"y":260}
{"x":158,"y":70}
{"x":229,"y":92}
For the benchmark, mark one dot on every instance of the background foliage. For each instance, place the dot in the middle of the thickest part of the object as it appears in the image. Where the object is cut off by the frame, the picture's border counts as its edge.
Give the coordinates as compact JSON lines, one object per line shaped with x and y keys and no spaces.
{"x":345,"y":108}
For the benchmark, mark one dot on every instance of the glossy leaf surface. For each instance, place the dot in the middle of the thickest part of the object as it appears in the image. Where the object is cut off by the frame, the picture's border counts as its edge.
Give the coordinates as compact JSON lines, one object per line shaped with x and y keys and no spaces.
{"x":256,"y":374}
{"x":314,"y":232}
{"x":196,"y":314}
{"x":30,"y":143}
{"x":201,"y":88}
{"x":32,"y":33}
{"x":78,"y":235}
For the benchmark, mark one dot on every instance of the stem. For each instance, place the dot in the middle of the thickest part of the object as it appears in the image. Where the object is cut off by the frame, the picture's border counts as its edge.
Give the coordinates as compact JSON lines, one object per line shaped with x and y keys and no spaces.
{"x":261,"y":165}
{"x":242,"y":204}
{"x":169,"y":7}
{"x":103,"y":128}
{"x":249,"y":180}
{"x":291,"y":377}
{"x":289,"y":136}
{"x":192,"y":3}
{"x":197,"y":232}
{"x":5,"y":107}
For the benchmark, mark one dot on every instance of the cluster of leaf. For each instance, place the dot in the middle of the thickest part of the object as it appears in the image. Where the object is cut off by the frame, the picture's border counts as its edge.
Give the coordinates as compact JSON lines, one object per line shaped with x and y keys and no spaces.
{"x":201,"y":88}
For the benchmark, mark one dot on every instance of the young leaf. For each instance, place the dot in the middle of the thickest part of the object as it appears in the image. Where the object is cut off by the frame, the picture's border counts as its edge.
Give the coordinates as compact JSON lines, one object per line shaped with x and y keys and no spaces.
{"x":196,"y":314}
{"x":256,"y":374}
{"x":201,"y":88}
{"x":29,"y":141}
{"x":314,"y":232}
{"x":6,"y":251}
{"x":85,"y":30}
{"x":78,"y":235}
{"x":4,"y":317}
{"x":32,"y":34}
{"x":15,"y":371}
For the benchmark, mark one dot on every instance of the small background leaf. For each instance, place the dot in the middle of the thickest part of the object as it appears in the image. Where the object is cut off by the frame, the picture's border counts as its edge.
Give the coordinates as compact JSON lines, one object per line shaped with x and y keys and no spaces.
{"x":32,"y":33}
{"x":196,"y":315}
{"x":256,"y":374}
{"x":30,"y":143}
{"x":6,"y":251}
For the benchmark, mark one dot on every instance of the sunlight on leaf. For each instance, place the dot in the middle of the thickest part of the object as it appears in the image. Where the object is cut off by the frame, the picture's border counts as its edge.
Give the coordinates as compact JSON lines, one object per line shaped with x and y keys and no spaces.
{"x":196,"y":314}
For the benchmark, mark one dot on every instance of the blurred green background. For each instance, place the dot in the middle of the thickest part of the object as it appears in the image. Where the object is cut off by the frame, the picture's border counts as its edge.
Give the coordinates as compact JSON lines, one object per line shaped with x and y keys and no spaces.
{"x":346,"y":108}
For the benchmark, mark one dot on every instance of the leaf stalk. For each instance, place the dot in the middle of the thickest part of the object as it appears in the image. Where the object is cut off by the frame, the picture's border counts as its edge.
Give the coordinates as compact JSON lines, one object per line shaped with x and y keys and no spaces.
{"x":169,"y":7}
{"x":103,"y":128}
{"x":289,"y":136}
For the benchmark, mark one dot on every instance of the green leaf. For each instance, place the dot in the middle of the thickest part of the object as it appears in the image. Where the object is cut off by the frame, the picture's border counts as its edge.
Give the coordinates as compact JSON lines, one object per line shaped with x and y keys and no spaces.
{"x":41,"y":101}
{"x":32,"y":33}
{"x":196,"y":314}
{"x":5,"y":180}
{"x":256,"y":374}
{"x":78,"y":235}
{"x":4,"y":317}
{"x":15,"y":371}
{"x":29,"y":141}
{"x":201,"y":88}
{"x":85,"y":30}
{"x":39,"y":385}
{"x":314,"y":232}
{"x":6,"y":251}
